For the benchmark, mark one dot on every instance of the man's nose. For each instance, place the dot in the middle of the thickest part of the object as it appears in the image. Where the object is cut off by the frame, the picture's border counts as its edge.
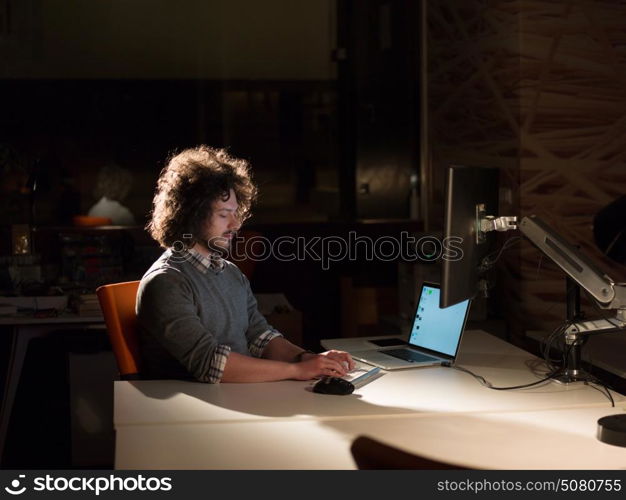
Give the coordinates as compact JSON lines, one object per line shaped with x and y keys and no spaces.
{"x":235,"y":223}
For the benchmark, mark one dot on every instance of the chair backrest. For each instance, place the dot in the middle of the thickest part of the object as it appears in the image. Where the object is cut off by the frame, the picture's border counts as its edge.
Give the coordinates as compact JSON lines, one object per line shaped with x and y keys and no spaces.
{"x":118,"y":307}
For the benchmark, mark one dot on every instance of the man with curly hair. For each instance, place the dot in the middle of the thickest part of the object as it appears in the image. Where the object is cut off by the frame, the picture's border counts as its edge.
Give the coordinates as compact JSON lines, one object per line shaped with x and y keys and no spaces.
{"x":198,"y":318}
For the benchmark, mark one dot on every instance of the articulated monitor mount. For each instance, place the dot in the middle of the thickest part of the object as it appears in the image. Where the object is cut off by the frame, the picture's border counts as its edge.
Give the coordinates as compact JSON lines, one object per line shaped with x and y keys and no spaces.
{"x":486,"y":223}
{"x":605,"y":291}
{"x":580,"y":271}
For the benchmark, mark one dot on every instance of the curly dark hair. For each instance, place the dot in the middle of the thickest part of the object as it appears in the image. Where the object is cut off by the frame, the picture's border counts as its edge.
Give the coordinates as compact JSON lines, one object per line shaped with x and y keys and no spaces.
{"x":188,"y":186}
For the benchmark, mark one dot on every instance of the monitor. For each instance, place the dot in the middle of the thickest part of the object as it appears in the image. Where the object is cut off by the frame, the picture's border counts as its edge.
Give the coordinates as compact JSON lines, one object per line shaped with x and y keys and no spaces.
{"x":471,"y":194}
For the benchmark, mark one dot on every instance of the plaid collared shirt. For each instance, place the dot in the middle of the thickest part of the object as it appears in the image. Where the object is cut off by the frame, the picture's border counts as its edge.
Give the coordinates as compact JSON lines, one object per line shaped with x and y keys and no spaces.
{"x":216,"y":263}
{"x":203,"y":263}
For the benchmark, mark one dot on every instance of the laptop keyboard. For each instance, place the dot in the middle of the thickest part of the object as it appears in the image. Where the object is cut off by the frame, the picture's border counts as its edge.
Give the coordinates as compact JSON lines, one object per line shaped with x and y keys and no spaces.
{"x":409,"y":355}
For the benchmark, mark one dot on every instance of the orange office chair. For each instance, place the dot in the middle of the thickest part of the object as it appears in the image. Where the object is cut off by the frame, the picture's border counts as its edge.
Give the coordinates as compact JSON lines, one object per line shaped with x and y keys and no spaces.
{"x":118,"y":307}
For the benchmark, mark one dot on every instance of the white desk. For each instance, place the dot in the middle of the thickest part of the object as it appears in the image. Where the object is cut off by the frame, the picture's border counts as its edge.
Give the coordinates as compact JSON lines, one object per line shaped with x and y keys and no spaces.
{"x":240,"y":417}
{"x":422,"y":390}
{"x":554,"y":439}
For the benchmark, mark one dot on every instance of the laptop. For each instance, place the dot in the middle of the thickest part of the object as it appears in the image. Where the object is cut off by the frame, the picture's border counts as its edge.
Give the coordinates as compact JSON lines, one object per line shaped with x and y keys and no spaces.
{"x":434,"y":338}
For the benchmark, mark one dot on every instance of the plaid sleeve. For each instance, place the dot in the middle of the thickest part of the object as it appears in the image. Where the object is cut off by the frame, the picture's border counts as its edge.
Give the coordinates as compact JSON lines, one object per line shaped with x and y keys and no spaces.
{"x":217,"y":364}
{"x":257,"y":346}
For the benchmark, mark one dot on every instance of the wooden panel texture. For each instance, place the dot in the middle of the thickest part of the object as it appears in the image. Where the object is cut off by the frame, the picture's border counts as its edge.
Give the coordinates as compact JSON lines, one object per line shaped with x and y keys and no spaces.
{"x":538,"y":89}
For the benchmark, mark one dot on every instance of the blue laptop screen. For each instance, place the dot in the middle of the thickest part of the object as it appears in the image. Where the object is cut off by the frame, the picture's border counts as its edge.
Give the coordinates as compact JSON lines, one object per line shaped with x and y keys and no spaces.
{"x":435,"y":328}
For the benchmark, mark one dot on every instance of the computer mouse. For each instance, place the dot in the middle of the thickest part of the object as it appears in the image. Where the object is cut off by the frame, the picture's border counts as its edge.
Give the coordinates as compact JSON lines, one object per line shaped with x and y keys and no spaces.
{"x":333,"y":385}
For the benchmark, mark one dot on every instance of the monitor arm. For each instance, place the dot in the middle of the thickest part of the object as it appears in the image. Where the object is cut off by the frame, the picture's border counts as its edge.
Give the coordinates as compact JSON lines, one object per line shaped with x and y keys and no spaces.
{"x":607,"y":293}
{"x":486,"y":223}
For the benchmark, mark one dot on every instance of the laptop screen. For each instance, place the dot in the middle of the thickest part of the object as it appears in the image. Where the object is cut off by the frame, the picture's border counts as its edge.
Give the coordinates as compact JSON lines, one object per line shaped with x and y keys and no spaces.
{"x":435,"y":328}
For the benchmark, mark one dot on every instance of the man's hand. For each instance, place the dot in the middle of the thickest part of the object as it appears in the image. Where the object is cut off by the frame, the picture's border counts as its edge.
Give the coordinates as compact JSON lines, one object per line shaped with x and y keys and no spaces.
{"x":326,"y":364}
{"x":342,"y":357}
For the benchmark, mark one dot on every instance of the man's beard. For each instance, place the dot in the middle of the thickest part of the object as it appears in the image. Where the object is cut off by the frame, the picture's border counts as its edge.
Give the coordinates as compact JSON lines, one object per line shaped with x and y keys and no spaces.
{"x":213,"y":247}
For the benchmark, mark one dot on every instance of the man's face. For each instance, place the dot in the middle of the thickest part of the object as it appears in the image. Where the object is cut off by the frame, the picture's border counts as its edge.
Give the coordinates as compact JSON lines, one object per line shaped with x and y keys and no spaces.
{"x":223,"y":223}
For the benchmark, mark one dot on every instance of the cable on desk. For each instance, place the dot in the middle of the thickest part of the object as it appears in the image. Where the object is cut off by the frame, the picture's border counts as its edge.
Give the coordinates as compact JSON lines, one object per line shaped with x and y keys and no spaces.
{"x":591,"y":383}
{"x":558,"y":333}
{"x":606,"y":391}
{"x":550,"y":363}
{"x":547,"y":344}
{"x":488,"y":384}
{"x":595,"y":380}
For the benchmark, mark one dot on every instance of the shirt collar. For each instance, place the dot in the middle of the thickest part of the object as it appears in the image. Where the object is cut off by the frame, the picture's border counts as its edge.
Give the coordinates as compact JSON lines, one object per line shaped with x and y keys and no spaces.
{"x":203,"y":263}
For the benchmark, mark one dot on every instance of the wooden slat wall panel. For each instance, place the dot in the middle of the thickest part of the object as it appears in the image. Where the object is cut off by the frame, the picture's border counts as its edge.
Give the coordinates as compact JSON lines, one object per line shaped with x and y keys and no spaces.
{"x":537,"y":88}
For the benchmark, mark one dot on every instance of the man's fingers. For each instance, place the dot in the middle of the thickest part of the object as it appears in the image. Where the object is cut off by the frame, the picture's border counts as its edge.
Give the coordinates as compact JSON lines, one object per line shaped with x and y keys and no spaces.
{"x":342,"y":357}
{"x":351,"y":362}
{"x":336,"y":367}
{"x":345,"y":359}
